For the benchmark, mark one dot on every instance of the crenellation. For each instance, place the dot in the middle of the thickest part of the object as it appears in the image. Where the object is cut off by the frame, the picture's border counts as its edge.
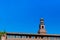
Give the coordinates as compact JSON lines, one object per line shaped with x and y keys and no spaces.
{"x":40,"y":36}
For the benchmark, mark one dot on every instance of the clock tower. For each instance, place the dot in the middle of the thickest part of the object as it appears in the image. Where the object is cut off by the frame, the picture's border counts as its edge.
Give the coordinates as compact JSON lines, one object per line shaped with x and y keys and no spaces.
{"x":41,"y":27}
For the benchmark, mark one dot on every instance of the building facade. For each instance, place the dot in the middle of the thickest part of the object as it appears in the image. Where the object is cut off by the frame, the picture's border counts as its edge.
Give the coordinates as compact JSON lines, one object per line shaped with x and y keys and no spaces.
{"x":41,"y":34}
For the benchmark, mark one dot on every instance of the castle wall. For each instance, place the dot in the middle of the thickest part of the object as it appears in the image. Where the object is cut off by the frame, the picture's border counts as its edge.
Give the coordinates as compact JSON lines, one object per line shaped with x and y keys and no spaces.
{"x":34,"y":38}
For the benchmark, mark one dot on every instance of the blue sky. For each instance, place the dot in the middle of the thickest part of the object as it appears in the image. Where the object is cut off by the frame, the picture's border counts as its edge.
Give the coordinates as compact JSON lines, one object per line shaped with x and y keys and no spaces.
{"x":24,"y":15}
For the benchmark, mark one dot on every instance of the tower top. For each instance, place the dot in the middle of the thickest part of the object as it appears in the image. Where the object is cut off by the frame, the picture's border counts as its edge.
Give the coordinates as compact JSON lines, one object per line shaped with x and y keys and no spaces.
{"x":42,"y":27}
{"x":41,"y":19}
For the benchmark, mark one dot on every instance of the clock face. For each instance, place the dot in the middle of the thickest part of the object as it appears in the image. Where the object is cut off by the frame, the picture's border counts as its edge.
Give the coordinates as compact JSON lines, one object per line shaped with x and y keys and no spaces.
{"x":42,"y":27}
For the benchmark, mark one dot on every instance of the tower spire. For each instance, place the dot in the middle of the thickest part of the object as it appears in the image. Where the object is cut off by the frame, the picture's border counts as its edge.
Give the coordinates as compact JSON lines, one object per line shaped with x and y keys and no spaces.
{"x":42,"y":27}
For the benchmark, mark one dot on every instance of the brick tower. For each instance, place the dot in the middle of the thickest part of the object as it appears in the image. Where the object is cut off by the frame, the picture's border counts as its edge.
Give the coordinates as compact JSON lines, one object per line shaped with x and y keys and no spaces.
{"x":41,"y":27}
{"x":3,"y":37}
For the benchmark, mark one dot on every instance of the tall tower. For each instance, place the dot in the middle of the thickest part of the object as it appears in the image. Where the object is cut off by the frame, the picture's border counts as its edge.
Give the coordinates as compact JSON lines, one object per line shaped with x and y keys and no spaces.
{"x":3,"y":37}
{"x":41,"y":27}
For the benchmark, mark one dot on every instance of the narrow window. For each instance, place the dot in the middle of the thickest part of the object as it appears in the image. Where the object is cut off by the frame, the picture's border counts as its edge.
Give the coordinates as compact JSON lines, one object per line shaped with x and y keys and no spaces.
{"x":42,"y":27}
